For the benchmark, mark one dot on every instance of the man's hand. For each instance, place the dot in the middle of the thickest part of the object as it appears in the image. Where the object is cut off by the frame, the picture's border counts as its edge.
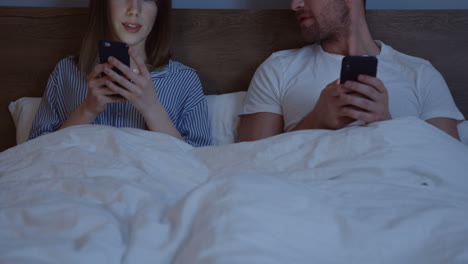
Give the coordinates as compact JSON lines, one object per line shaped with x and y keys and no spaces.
{"x":327,"y":112}
{"x":366,"y":100}
{"x":340,"y":105}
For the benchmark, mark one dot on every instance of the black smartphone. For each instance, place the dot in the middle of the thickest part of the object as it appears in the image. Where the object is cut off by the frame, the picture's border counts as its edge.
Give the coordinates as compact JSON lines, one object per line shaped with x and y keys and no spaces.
{"x":353,"y":66}
{"x":118,"y":50}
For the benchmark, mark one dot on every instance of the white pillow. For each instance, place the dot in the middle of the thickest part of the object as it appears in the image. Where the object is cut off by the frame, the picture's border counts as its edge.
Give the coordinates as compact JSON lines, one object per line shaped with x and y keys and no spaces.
{"x":463,"y":131}
{"x":223,"y":110}
{"x":23,"y":112}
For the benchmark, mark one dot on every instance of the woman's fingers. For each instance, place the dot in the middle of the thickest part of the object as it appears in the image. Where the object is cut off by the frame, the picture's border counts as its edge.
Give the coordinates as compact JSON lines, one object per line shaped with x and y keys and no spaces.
{"x":124,"y":82}
{"x":98,"y":70}
{"x":115,"y":89}
{"x":126,"y":71}
{"x":143,"y":70}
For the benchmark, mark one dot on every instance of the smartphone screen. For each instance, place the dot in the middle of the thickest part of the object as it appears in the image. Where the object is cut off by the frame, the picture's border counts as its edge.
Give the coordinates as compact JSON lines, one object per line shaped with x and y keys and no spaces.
{"x":353,"y":66}
{"x":118,"y":50}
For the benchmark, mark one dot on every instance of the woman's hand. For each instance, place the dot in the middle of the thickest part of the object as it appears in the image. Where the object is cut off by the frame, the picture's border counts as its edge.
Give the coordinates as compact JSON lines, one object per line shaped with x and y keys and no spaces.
{"x":98,"y":93}
{"x":95,"y":103}
{"x":136,"y":86}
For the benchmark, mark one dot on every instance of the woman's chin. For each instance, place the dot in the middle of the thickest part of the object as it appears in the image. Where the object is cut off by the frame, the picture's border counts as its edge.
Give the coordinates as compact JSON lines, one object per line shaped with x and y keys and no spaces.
{"x":132,"y":42}
{"x":130,"y":39}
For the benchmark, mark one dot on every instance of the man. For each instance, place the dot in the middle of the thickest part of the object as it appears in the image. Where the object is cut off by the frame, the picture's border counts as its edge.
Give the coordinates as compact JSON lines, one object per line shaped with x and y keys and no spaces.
{"x":298,"y":89}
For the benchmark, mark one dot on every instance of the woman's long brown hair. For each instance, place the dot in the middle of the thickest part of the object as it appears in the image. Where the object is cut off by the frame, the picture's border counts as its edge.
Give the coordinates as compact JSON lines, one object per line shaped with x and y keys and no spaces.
{"x":157,"y":44}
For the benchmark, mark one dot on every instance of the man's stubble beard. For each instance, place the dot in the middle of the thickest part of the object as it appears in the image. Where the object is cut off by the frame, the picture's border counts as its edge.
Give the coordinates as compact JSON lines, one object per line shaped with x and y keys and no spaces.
{"x":331,"y":25}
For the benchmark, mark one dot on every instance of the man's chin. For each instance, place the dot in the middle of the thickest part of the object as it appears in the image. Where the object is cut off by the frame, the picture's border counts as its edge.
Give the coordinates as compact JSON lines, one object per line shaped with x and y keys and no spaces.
{"x":310,"y":39}
{"x":310,"y":35}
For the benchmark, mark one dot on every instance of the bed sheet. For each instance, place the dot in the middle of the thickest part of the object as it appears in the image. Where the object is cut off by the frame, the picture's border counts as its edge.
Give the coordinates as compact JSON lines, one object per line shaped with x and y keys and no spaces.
{"x":391,"y":192}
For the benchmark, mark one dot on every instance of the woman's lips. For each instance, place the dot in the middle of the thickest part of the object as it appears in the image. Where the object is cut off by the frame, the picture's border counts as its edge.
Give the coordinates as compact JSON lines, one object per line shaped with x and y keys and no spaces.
{"x":132,"y":28}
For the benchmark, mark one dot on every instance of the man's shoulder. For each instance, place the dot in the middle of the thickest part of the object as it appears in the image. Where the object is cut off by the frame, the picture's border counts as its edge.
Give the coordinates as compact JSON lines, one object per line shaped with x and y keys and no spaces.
{"x":407,"y":61}
{"x":294,"y":53}
{"x":291,"y":57}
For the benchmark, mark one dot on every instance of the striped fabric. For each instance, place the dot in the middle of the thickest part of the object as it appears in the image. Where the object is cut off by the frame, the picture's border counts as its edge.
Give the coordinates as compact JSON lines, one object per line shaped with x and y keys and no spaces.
{"x":178,"y":88}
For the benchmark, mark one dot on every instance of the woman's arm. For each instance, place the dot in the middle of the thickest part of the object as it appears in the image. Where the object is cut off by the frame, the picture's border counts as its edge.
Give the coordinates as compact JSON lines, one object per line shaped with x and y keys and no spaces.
{"x":195,"y":125}
{"x":158,"y":120}
{"x":141,"y":93}
{"x":97,"y":98}
{"x":47,"y":118}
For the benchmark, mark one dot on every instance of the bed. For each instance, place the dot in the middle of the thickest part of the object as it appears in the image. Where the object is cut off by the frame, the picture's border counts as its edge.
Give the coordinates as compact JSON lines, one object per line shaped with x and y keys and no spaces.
{"x":390,"y":192}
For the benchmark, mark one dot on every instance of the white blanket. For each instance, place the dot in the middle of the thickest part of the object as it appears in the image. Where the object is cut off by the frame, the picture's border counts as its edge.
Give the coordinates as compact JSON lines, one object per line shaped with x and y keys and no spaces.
{"x":393,"y":192}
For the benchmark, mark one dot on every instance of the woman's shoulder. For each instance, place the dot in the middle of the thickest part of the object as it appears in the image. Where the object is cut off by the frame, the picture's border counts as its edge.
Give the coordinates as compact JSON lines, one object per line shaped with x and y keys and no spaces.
{"x":67,"y":65}
{"x":68,"y":61}
{"x":175,"y":69}
{"x":66,"y":71}
{"x":178,"y":66}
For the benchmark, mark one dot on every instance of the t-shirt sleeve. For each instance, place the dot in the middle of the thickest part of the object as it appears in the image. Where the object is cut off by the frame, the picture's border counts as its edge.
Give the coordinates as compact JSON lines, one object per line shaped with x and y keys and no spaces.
{"x":264,"y":94}
{"x":47,"y":118}
{"x":195,"y":124}
{"x":436,"y":99}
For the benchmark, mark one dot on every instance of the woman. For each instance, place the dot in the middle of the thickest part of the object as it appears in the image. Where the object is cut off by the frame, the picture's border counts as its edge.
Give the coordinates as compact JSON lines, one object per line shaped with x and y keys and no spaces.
{"x":163,"y":95}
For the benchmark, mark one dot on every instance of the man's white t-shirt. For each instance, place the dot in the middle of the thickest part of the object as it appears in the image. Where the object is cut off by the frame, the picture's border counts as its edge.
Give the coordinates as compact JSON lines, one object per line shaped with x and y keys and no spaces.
{"x":290,"y":82}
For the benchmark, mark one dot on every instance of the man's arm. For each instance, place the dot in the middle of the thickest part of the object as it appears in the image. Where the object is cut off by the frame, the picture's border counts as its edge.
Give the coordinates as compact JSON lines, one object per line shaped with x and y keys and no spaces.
{"x":328,"y":112}
{"x":259,"y":126}
{"x":447,"y":125}
{"x":325,"y":115}
{"x":437,"y":105}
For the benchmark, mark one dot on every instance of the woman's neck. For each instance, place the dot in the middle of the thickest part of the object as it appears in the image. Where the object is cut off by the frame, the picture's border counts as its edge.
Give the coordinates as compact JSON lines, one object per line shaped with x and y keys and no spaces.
{"x":139,"y":51}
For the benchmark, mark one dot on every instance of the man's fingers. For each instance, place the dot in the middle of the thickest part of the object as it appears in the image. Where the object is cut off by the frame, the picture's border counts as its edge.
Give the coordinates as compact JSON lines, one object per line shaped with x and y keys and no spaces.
{"x":373,"y":82}
{"x":358,"y":101}
{"x":363,"y":89}
{"x":357,"y":114}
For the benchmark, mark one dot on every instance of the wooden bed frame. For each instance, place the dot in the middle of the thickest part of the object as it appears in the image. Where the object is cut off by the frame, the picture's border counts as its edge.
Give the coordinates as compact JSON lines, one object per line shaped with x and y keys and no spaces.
{"x":225,"y":46}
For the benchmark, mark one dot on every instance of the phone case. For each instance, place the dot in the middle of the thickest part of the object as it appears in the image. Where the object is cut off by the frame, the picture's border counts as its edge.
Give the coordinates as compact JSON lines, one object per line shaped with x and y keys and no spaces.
{"x":118,"y":50}
{"x":353,"y":66}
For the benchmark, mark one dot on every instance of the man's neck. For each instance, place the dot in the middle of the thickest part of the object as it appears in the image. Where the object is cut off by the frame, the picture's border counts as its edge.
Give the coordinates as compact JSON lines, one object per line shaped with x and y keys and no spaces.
{"x":356,"y":41}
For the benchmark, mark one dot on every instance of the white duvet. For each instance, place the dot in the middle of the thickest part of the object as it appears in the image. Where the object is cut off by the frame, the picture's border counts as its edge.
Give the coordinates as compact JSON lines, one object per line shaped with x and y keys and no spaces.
{"x":393,"y":192}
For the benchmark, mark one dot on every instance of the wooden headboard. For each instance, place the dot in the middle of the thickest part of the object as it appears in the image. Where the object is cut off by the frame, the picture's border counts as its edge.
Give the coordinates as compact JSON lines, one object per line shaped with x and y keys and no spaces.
{"x":225,"y":46}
